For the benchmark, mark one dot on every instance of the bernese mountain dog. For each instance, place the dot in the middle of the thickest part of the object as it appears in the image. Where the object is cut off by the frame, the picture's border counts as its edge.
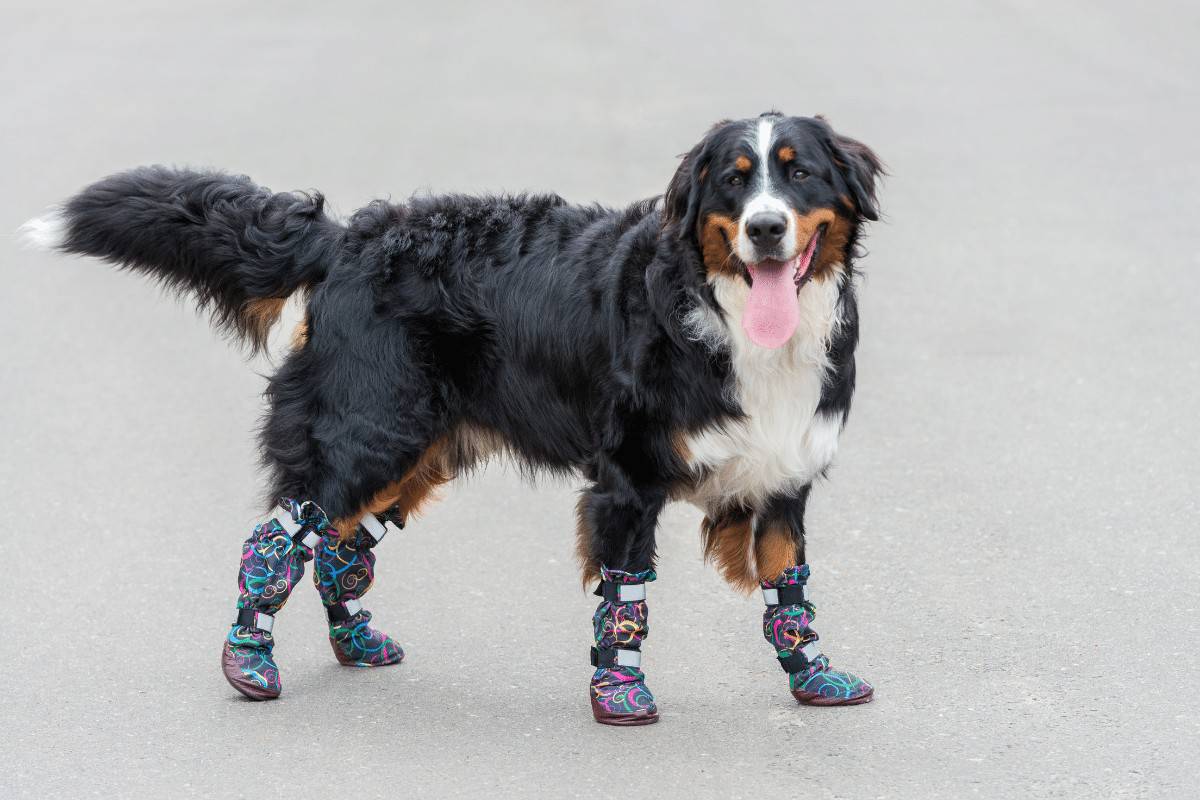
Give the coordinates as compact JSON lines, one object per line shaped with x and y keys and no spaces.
{"x":698,"y":347}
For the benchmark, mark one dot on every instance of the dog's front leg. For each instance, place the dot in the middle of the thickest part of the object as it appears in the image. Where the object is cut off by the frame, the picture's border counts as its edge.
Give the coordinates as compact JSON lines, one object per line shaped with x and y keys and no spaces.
{"x":787,"y":622}
{"x":617,"y":522}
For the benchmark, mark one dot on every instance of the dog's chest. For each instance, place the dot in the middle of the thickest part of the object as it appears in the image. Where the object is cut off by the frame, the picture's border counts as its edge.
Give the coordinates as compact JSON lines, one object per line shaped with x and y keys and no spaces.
{"x":783,"y":442}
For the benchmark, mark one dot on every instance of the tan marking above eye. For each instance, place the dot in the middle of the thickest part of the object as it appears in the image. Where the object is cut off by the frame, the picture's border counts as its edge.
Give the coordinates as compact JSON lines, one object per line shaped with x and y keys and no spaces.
{"x":742,"y":164}
{"x":786,"y":153}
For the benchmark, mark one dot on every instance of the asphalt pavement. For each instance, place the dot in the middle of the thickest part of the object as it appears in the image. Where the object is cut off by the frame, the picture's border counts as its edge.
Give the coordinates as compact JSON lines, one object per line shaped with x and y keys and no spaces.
{"x":1007,"y":547}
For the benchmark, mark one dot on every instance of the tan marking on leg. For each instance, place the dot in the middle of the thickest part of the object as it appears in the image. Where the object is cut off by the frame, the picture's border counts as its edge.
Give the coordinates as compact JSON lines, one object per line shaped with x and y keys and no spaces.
{"x":258,"y":316}
{"x":727,"y":545}
{"x":588,"y":565}
{"x":774,"y":551}
{"x":411,"y":493}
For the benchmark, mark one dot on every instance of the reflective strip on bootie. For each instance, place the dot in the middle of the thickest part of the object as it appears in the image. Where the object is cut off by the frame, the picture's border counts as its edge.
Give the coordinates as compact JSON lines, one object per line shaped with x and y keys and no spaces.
{"x":793,"y":595}
{"x":785,"y":595}
{"x":615,"y":592}
{"x":255,"y":620}
{"x":293,"y":528}
{"x":616,"y":657}
{"x":376,"y":528}
{"x":340,"y":612}
{"x":801,"y":659}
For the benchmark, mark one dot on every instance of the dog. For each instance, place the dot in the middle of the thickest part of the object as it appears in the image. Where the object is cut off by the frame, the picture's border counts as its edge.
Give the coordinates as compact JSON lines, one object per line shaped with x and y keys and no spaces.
{"x":698,"y":347}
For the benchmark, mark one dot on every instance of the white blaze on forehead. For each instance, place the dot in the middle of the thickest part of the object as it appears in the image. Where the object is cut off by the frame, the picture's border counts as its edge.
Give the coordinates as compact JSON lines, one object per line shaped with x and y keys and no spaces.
{"x":764,"y":198}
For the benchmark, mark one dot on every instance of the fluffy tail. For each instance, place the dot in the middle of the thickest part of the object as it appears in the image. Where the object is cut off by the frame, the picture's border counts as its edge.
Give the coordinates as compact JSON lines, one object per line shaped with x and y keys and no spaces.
{"x":239,"y":248}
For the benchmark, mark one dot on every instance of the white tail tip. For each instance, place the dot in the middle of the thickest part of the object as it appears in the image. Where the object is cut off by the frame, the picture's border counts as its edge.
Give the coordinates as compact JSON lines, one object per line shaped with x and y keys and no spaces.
{"x":47,"y":232}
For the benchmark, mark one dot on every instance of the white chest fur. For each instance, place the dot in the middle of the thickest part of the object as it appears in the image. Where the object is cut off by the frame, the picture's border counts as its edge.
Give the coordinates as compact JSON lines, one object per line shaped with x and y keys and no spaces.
{"x":782,"y":443}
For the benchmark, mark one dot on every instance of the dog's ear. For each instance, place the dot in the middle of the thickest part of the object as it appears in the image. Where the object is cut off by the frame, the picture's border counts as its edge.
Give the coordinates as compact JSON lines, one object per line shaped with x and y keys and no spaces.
{"x":682,"y":199}
{"x":859,"y":167}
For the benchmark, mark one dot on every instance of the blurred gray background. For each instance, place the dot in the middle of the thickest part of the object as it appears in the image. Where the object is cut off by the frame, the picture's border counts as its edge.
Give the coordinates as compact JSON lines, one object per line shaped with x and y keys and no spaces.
{"x":1007,"y":547}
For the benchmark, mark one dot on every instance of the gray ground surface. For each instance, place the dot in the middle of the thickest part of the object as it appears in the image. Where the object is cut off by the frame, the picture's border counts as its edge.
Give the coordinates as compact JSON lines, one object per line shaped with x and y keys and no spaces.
{"x":1007,"y":546}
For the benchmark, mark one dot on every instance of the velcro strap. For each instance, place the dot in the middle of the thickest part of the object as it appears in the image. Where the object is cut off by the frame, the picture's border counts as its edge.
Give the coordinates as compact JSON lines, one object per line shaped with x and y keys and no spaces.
{"x":374,"y":527}
{"x":785,"y":595}
{"x":284,"y":518}
{"x":616,"y":657}
{"x":340,"y":612}
{"x":294,"y":529}
{"x":621,"y":592}
{"x":801,"y":659}
{"x":258,"y":620}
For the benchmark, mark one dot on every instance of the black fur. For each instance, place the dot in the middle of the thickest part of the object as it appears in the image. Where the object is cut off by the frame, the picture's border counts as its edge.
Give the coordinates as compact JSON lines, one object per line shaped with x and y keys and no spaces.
{"x":555,"y":328}
{"x":219,"y":236}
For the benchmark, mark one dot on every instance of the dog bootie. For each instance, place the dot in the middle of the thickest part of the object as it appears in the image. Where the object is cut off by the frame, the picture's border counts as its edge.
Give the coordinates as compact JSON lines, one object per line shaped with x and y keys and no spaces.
{"x":787,"y":625}
{"x":272,"y":564}
{"x":343,"y":572}
{"x":618,"y":690}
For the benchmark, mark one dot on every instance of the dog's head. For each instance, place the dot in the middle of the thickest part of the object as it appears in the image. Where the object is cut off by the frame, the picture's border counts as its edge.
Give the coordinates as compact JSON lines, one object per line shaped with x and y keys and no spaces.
{"x":775,"y":202}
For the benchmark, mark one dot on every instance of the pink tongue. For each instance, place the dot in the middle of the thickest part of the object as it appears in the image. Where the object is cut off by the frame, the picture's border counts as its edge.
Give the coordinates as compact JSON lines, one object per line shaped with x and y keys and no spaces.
{"x":772,"y":313}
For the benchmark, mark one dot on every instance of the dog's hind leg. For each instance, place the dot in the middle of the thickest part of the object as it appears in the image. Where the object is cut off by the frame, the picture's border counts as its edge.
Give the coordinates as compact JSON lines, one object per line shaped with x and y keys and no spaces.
{"x":345,"y":565}
{"x":272,"y":564}
{"x":787,"y":622}
{"x":343,"y":428}
{"x":344,"y":569}
{"x":617,"y":521}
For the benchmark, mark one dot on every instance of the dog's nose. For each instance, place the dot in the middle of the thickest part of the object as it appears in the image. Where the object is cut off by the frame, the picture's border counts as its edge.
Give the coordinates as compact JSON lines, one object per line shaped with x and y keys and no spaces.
{"x":766,"y":228}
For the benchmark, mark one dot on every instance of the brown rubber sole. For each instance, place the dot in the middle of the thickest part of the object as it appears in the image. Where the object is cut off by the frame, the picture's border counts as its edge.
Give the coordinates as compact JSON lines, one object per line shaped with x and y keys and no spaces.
{"x":346,"y":661}
{"x":813,"y":699}
{"x":609,"y":718}
{"x":237,"y":680}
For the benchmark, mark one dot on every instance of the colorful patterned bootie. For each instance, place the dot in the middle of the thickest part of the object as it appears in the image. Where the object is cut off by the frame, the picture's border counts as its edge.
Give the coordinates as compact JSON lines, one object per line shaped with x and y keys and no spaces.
{"x":787,"y":625}
{"x":272,"y":564}
{"x":343,"y":572}
{"x":618,"y":690}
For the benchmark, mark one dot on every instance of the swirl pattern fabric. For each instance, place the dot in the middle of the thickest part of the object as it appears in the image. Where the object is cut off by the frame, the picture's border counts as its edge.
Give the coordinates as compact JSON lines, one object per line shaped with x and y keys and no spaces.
{"x":271,"y":566}
{"x":788,"y":628}
{"x":622,"y":690}
{"x":345,"y":570}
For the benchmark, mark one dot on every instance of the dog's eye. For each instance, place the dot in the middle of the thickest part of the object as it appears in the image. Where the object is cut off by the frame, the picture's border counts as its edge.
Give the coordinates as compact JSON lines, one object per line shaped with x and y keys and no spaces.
{"x":735,"y":180}
{"x":799,"y":174}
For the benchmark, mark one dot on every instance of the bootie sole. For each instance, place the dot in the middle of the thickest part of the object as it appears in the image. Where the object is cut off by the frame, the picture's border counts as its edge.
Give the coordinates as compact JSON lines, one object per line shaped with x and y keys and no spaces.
{"x":346,"y":661}
{"x":609,"y":718}
{"x":814,"y":699}
{"x":233,"y":674}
